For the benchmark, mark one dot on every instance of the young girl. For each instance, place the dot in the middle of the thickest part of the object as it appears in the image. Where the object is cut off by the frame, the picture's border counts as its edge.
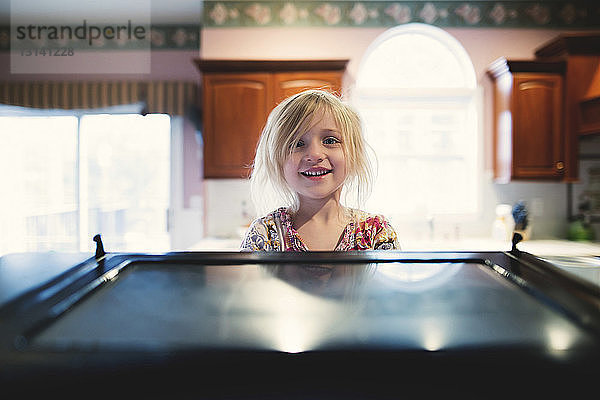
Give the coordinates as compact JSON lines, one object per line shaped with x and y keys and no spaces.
{"x":311,"y":154}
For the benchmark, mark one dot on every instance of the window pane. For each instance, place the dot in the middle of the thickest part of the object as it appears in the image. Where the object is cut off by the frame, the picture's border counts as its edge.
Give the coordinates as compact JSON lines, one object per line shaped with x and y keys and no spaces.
{"x":426,"y":160}
{"x":415,"y":93}
{"x":127,"y":158}
{"x":411,"y":57}
{"x":38,"y":205}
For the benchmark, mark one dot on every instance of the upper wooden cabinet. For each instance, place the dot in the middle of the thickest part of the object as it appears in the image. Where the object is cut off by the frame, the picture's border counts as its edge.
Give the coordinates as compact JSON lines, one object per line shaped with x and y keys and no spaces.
{"x":581,"y":101}
{"x":538,"y":141}
{"x":234,"y":111}
{"x":239,"y":95}
{"x":542,"y":106}
{"x":529,"y":139}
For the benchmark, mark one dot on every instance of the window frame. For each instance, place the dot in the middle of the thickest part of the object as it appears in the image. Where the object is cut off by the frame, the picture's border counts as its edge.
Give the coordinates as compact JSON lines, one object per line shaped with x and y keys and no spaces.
{"x":85,"y":243}
{"x":365,"y":97}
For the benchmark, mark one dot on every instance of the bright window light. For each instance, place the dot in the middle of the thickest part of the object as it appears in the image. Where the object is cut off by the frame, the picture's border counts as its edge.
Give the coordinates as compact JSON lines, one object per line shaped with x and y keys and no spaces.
{"x":66,"y":178}
{"x":416,"y":93}
{"x":38,"y":205}
{"x":127,"y":160}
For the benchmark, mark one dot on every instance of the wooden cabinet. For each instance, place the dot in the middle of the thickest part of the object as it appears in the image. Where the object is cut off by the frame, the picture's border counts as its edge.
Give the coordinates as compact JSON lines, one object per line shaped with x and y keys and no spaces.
{"x":529,"y":139}
{"x":234,"y":111}
{"x":239,"y":95}
{"x":580,"y":51}
{"x":289,"y":83}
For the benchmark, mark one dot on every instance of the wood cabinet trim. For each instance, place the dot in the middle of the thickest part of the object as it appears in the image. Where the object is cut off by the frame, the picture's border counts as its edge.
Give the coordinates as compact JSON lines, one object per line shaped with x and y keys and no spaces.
{"x":589,"y":116}
{"x":502,"y":66}
{"x":222,"y":66}
{"x":569,"y":44}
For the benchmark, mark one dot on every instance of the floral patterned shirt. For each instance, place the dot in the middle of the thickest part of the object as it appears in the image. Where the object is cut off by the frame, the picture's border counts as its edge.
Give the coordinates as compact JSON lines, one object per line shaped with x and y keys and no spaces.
{"x":365,"y":232}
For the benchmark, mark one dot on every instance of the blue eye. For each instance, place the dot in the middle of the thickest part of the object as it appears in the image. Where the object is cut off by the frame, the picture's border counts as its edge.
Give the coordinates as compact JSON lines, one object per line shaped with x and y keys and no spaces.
{"x":331,"y":140}
{"x":300,"y":143}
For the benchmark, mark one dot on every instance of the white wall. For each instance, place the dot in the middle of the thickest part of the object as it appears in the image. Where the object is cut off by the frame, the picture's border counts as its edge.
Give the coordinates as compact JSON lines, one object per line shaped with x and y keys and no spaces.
{"x":549,"y":200}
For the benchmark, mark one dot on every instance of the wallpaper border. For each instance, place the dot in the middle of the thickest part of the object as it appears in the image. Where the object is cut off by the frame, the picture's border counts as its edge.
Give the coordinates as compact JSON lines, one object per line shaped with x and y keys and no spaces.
{"x":575,"y":14}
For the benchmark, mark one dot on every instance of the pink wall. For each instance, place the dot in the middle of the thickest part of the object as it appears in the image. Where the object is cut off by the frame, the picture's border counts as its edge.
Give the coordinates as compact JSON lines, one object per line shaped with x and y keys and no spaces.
{"x":483,"y":45}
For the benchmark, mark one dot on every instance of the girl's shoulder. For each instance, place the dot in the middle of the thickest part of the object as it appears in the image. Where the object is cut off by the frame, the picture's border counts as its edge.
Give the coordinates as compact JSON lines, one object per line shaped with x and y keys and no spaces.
{"x":370,"y":231}
{"x":363,"y":219}
{"x":264,"y":232}
{"x":281,"y":214}
{"x":273,"y":222}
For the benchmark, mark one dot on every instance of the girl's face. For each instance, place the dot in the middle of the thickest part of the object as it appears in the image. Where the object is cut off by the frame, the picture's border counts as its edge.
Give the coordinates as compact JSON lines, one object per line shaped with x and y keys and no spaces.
{"x":316,"y":169}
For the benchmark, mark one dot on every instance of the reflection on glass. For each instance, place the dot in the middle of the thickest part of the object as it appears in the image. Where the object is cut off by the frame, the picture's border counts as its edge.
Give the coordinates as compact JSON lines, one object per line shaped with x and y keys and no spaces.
{"x":433,"y":335}
{"x":294,"y":334}
{"x":559,"y":337}
{"x":340,"y":282}
{"x":328,"y":300}
{"x":418,"y":277}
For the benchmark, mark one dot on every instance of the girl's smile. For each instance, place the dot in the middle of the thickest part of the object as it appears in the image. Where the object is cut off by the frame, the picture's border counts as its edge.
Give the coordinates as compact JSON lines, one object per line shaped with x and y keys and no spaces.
{"x":316,"y":173}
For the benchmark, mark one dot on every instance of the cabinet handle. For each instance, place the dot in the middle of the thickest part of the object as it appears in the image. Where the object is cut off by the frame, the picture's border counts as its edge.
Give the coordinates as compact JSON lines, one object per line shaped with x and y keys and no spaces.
{"x":560,"y":166}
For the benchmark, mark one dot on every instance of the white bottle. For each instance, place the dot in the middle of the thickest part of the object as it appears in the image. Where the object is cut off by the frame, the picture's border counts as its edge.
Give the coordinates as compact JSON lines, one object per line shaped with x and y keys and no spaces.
{"x":502,"y":227}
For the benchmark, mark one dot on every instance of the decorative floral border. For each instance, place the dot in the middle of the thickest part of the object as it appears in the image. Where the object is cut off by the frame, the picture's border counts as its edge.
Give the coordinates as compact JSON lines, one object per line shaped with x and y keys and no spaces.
{"x":162,"y":37}
{"x":175,"y":37}
{"x":497,"y":14}
{"x":562,"y":14}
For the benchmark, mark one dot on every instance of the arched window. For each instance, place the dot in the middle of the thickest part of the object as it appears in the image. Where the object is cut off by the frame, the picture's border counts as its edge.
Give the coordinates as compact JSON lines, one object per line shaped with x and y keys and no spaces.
{"x":416,"y":91}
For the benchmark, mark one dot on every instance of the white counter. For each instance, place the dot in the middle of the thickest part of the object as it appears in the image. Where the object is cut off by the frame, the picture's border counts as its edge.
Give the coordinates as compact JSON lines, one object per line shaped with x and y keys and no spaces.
{"x":217,"y":244}
{"x":535,"y":247}
{"x":542,"y":248}
{"x":581,"y":259}
{"x":466,"y":244}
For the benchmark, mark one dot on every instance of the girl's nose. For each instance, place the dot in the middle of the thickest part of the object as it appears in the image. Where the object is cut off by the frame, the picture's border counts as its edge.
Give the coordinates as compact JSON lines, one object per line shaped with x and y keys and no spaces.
{"x":314,"y":152}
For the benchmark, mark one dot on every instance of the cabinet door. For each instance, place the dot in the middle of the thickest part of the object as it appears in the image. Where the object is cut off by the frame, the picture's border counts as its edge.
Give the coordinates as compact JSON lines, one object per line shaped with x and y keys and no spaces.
{"x":537,"y":126}
{"x":235,"y":110}
{"x":286,"y":84}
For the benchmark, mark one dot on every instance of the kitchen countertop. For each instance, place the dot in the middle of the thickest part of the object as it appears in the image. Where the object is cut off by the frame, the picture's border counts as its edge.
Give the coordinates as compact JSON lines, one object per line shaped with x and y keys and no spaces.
{"x":581,"y":259}
{"x":536,"y":247}
{"x":542,"y":248}
{"x":216,"y":244}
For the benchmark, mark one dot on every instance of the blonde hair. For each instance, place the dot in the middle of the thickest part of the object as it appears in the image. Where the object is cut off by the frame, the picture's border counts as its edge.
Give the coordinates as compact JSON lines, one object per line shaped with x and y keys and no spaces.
{"x":283,"y":129}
